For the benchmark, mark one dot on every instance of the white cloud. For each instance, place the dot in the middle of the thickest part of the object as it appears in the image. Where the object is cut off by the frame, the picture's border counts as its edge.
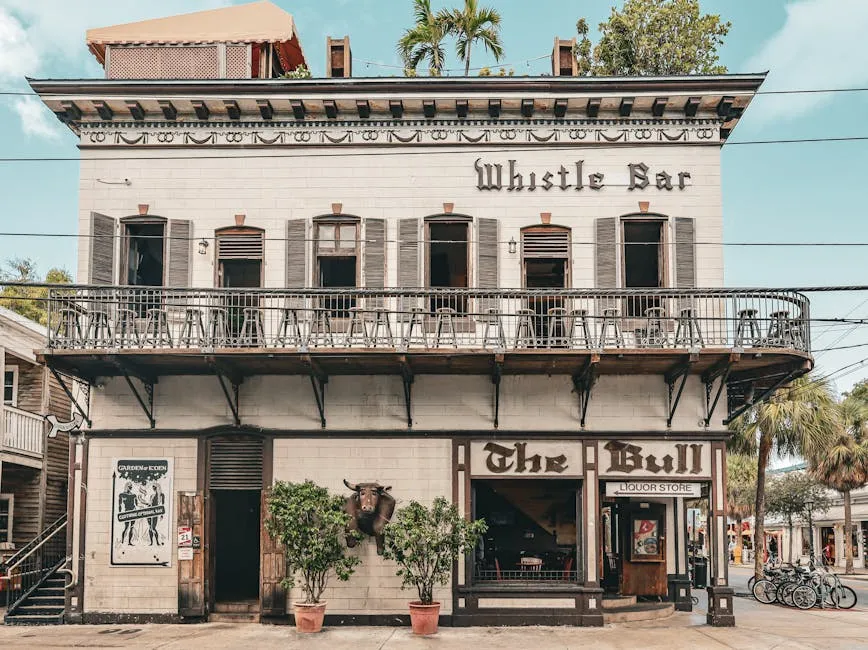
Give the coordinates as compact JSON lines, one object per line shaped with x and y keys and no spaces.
{"x":820,"y":45}
{"x":35,"y":118}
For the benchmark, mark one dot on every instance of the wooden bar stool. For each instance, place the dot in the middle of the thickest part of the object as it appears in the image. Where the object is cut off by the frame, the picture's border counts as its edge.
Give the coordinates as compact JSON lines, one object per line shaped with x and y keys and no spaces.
{"x":193,"y":329}
{"x":493,"y":335}
{"x":157,"y":332}
{"x":580,"y":331}
{"x":525,"y":332}
{"x":780,"y":332}
{"x":357,"y":329}
{"x":381,"y":329}
{"x":251,"y":328}
{"x":747,"y":331}
{"x":611,"y":320}
{"x":218,"y":328}
{"x":321,"y":328}
{"x":445,"y":331}
{"x":655,"y":332}
{"x":687,"y":333}
{"x":99,"y":331}
{"x":67,"y":332}
{"x":557,"y":328}
{"x":289,"y":329}
{"x":417,"y":319}
{"x":127,"y":332}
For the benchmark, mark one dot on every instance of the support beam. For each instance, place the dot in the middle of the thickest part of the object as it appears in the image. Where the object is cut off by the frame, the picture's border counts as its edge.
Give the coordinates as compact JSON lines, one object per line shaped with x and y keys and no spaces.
{"x":560,"y":108}
{"x":71,"y":397}
{"x":396,"y":107}
{"x":104,"y":110}
{"x":227,"y":373}
{"x":593,"y":107}
{"x":136,"y":110}
{"x":496,"y":376}
{"x":299,"y":110}
{"x":407,"y":377}
{"x":494,"y":108}
{"x":753,"y":400}
{"x":659,"y":106}
{"x":462,"y":106}
{"x":677,"y":375}
{"x":265,"y":109}
{"x":148,"y":407}
{"x":583,"y":382}
{"x":201,"y":108}
{"x":363,"y":107}
{"x":691,"y":106}
{"x":626,"y":107}
{"x":429,"y":108}
{"x":318,"y":381}
{"x":169,"y":110}
{"x":527,"y":107}
{"x":231,"y":399}
{"x":232,"y":109}
{"x":331,"y":108}
{"x":73,"y":112}
{"x":719,"y":371}
{"x":127,"y":367}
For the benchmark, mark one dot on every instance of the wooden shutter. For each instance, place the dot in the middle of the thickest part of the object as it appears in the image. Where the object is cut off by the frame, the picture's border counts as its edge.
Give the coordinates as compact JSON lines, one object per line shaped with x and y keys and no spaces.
{"x":102,"y":248}
{"x":191,"y":573}
{"x":180,"y":248}
{"x":240,"y":246}
{"x":236,"y":464}
{"x":408,"y":253}
{"x":296,"y":253}
{"x":272,"y":563}
{"x":375,"y":253}
{"x":545,"y":243}
{"x":487,"y":254}
{"x":685,"y":252}
{"x":606,"y":253}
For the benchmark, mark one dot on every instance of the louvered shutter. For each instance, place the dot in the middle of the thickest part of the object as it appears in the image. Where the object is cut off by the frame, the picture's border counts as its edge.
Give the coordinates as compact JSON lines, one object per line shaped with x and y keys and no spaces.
{"x":545,"y":243}
{"x":240,"y":246}
{"x":296,"y":249}
{"x":606,"y":253}
{"x":487,"y":260}
{"x":685,"y":252}
{"x":375,"y":253}
{"x":102,"y":248}
{"x":408,"y":253}
{"x":180,"y":248}
{"x":236,"y":464}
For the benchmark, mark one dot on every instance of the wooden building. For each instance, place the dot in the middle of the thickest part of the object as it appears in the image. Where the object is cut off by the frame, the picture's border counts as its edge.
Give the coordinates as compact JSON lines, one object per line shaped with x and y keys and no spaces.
{"x":506,"y":291}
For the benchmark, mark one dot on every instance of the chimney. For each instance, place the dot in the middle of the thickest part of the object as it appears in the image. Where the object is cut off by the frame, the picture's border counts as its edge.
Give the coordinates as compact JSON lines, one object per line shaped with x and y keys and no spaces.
{"x":564,"y":62}
{"x":339,"y":58}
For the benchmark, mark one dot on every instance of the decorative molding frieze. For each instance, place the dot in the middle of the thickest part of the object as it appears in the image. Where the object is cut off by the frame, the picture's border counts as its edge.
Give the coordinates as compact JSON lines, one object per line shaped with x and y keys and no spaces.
{"x":379,"y":133}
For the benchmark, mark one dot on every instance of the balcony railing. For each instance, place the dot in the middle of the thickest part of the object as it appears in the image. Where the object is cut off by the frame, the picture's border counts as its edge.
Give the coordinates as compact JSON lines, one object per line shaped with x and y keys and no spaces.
{"x":23,"y":431}
{"x":125,"y":318}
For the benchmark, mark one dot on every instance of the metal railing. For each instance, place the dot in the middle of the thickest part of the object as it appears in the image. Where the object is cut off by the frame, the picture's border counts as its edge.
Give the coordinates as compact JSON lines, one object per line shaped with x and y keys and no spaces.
{"x":22,"y":573}
{"x":23,"y":431}
{"x":116,"y":318}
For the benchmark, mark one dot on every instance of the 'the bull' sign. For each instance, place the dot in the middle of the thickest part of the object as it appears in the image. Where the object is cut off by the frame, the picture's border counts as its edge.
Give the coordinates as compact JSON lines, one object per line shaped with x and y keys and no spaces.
{"x":526,"y":459}
{"x":668,"y":459}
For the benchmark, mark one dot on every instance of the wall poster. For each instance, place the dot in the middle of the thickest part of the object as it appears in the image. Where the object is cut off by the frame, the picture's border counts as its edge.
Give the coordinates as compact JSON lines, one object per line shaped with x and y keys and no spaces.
{"x":646,"y":544}
{"x":141,"y":512}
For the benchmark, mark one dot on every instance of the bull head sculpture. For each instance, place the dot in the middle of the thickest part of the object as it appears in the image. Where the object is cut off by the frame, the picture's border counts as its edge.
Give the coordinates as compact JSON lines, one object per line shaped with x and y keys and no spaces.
{"x":370,"y":507}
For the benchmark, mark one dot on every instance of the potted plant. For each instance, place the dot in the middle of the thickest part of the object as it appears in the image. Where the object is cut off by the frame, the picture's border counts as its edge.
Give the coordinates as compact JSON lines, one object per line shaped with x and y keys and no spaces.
{"x":311,"y":525}
{"x":425,"y":543}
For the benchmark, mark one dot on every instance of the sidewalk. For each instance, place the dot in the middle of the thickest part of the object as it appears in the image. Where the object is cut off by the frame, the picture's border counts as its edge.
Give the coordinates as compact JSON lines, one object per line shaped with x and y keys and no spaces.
{"x":859,"y":573}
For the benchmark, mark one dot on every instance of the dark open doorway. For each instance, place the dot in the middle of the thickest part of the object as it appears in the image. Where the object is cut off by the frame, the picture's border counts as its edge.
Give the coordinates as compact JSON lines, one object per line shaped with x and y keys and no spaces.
{"x":236,"y":544}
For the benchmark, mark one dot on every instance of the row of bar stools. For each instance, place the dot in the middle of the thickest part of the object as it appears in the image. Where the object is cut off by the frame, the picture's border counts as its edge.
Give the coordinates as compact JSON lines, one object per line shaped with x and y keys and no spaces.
{"x":611,"y":321}
{"x":688,"y":333}
{"x":747,"y":330}
{"x":98,"y":332}
{"x":493,"y":335}
{"x":68,"y":332}
{"x":193,"y":329}
{"x":445,"y":332}
{"x":417,"y":321}
{"x":157,"y":331}
{"x":127,"y":332}
{"x":525,"y":332}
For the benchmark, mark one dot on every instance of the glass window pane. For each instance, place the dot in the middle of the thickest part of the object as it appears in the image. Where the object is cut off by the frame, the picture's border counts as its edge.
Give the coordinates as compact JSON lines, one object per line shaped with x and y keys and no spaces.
{"x":348,"y":236}
{"x":327,"y":236}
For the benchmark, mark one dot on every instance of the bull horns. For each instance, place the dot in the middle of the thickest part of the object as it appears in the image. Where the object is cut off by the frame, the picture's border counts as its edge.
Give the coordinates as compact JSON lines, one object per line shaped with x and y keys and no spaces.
{"x":351,"y":487}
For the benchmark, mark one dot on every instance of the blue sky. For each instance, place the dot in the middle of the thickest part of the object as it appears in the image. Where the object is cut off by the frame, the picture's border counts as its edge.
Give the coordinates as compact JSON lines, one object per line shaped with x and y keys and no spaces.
{"x":772,"y":193}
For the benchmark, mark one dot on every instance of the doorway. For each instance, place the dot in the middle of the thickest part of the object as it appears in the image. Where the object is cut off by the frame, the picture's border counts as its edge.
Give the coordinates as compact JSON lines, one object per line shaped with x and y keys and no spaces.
{"x":236,"y":545}
{"x":633,"y":542}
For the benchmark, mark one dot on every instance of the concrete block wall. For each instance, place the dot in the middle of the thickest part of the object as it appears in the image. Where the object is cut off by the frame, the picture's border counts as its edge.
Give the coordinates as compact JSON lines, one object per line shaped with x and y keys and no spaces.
{"x":417,"y":469}
{"x":130,"y":589}
{"x":440,"y":402}
{"x":398,"y":183}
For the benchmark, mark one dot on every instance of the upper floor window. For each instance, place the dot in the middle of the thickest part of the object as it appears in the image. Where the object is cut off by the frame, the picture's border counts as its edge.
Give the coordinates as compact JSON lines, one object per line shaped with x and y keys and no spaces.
{"x":337,"y":252}
{"x":239,"y":256}
{"x":10,"y":386}
{"x":143,"y":252}
{"x":448,"y":259}
{"x":643,"y":253}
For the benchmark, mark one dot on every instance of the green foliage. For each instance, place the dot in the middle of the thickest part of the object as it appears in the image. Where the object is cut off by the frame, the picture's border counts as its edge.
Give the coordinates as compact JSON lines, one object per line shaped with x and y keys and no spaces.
{"x":301,"y":72}
{"x":740,"y":485}
{"x":787,"y":494}
{"x":854,"y":411}
{"x":843,"y":465}
{"x":30,"y":302}
{"x":472,"y":24}
{"x":423,"y":41}
{"x":653,"y":37}
{"x":425,"y":542}
{"x":311,"y":524}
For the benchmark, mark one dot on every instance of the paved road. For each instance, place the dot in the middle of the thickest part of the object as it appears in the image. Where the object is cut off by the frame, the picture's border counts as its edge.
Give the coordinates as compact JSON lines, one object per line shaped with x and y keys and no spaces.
{"x":738,"y":577}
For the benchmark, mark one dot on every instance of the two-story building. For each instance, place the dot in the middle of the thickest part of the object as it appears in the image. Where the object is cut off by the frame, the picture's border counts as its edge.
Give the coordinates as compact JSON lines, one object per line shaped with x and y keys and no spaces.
{"x":505,"y":291}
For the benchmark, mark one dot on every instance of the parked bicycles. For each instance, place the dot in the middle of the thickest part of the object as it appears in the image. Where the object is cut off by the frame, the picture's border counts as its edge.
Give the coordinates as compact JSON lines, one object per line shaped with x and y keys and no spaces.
{"x":804,"y":588}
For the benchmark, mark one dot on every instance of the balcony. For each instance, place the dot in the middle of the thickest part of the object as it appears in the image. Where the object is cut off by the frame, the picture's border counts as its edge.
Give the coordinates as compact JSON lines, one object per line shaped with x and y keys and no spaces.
{"x":750,"y":340}
{"x":23,"y":434}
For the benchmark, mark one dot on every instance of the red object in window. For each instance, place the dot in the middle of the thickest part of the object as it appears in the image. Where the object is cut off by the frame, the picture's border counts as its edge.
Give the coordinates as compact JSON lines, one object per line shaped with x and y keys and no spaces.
{"x":254,"y":64}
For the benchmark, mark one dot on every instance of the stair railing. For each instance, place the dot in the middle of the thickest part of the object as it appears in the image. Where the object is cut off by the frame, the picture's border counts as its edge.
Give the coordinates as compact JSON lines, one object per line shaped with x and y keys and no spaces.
{"x":22,"y":573}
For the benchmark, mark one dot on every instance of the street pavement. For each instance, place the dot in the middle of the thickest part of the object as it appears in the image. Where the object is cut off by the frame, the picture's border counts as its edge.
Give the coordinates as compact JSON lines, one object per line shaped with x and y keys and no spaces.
{"x":758,"y":627}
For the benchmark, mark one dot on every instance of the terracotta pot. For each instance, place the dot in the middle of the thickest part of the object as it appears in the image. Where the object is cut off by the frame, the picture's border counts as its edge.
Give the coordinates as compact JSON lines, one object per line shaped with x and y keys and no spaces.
{"x":308,"y":617}
{"x":424,"y":618}
{"x":545,"y":217}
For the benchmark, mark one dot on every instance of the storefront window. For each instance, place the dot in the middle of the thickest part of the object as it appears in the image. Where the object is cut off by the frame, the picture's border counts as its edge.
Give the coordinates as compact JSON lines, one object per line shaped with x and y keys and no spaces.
{"x":806,"y":541}
{"x":532,"y":533}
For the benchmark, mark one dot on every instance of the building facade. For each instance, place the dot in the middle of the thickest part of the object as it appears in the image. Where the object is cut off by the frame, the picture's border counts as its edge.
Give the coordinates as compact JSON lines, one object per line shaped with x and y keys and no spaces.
{"x":504,"y":291}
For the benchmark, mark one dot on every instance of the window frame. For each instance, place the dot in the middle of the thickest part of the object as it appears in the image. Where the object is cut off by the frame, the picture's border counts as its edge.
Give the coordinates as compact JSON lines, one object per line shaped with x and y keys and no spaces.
{"x":236,"y":230}
{"x":141,"y":220}
{"x":447,"y":219}
{"x":8,"y":543}
{"x":14,"y":370}
{"x":664,"y":278}
{"x":337,"y":221}
{"x":568,"y":262}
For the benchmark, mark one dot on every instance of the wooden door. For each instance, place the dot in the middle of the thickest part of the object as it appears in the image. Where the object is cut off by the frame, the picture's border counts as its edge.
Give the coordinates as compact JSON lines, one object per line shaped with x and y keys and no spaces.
{"x":643,"y":550}
{"x":272,"y":571}
{"x":191,"y":572}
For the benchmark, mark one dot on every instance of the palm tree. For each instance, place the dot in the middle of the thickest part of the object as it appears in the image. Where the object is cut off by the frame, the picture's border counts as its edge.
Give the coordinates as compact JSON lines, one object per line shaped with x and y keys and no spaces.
{"x":424,"y":41}
{"x":800,"y":418}
{"x":843,"y":466}
{"x":740,"y":491}
{"x":473,"y":24}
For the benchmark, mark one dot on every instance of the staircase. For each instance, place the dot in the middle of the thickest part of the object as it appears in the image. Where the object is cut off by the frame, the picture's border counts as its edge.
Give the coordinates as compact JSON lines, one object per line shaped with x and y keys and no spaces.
{"x":33,"y":579}
{"x":43,"y":606}
{"x":242,"y":611}
{"x":625,"y":609}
